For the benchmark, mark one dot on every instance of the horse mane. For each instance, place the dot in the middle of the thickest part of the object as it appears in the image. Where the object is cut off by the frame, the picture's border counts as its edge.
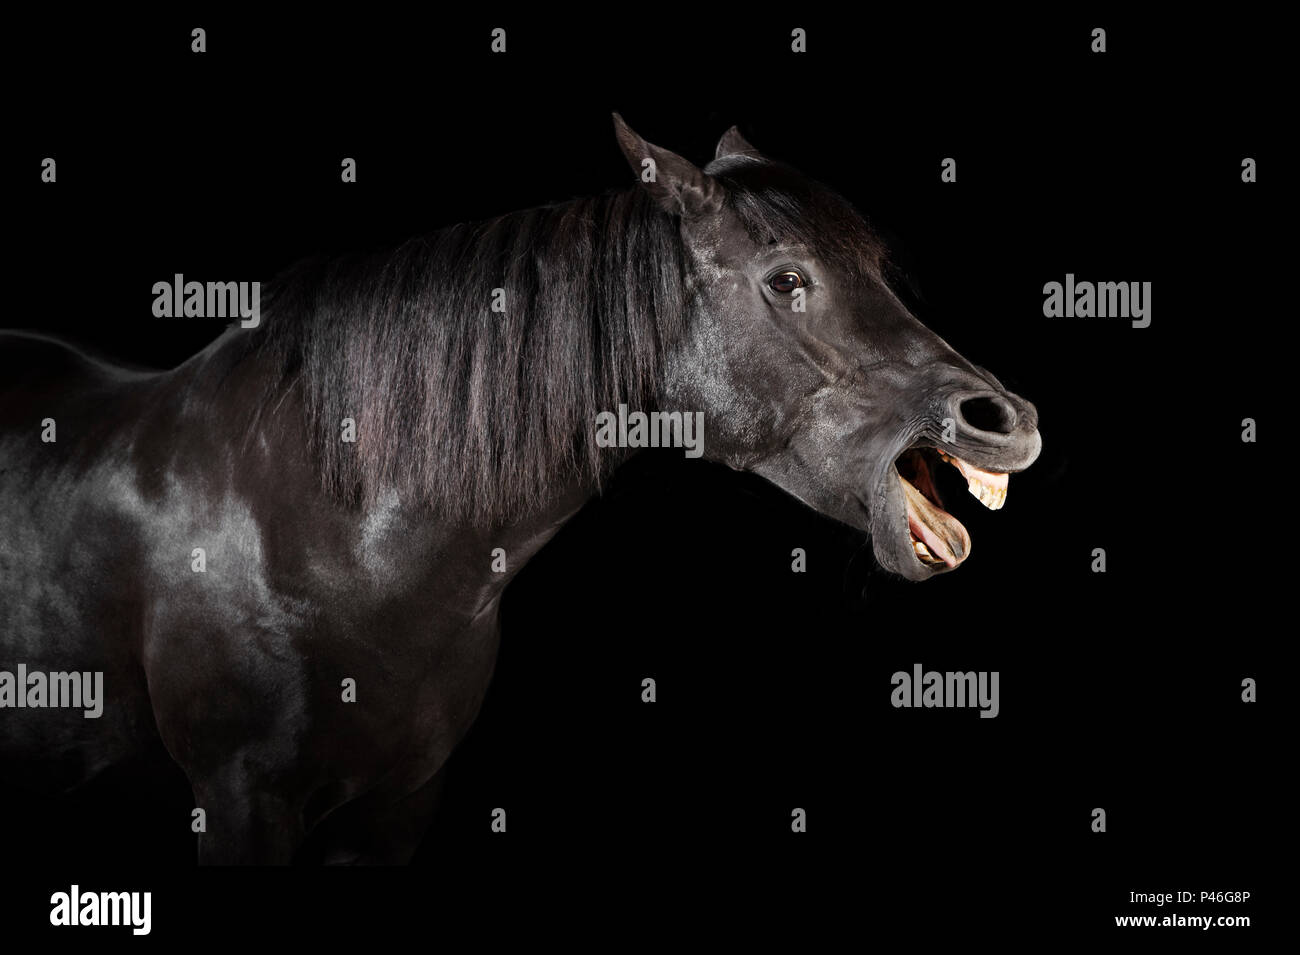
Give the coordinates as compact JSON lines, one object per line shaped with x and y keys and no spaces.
{"x":479,"y":414}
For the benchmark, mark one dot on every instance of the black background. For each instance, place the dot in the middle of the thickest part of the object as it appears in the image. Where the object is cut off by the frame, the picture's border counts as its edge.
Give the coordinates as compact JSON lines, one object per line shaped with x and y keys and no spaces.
{"x":1118,"y":690}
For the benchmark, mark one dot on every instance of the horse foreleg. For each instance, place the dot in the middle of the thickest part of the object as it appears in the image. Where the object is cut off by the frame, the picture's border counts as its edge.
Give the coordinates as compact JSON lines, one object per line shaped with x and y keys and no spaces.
{"x":379,"y":831}
{"x":245,"y":824}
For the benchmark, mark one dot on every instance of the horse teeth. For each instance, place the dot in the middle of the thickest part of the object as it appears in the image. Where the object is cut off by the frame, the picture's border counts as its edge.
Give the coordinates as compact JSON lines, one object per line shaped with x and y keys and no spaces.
{"x":991,"y":497}
{"x":990,"y":487}
{"x":923,"y":553}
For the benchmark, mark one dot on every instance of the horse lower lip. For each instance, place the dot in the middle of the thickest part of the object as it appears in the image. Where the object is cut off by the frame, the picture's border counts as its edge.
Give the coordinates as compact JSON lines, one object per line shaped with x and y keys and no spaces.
{"x":943,"y":536}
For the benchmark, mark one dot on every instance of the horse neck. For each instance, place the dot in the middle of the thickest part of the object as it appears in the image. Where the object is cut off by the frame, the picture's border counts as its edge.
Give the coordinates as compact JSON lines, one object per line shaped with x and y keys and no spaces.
{"x":227,"y":383}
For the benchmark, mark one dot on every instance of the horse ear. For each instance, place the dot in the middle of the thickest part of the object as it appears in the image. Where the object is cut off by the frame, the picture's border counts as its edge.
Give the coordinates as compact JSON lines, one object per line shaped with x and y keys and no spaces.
{"x":733,"y":144}
{"x":676,"y":184}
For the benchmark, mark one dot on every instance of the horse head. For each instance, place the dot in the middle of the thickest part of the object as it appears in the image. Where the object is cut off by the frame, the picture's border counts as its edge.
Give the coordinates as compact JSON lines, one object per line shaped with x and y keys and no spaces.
{"x":811,"y":372}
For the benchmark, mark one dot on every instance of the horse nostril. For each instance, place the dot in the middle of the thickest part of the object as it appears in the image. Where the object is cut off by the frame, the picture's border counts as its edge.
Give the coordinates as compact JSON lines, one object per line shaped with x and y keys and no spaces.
{"x":989,"y":413}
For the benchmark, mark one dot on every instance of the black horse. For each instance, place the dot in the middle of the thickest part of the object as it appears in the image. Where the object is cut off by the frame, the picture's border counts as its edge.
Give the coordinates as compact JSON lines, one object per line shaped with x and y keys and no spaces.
{"x":366,"y":470}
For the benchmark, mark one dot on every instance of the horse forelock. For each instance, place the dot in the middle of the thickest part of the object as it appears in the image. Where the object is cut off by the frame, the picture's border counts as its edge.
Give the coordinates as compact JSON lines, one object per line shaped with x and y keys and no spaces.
{"x":775,"y":201}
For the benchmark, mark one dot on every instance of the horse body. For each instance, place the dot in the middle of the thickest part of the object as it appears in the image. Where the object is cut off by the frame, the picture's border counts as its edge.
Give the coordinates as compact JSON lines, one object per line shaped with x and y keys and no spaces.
{"x":237,"y":670}
{"x":331,"y":568}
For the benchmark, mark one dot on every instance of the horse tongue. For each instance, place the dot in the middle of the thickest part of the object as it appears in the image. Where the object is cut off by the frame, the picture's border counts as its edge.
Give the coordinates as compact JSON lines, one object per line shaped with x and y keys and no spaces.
{"x":937,"y":529}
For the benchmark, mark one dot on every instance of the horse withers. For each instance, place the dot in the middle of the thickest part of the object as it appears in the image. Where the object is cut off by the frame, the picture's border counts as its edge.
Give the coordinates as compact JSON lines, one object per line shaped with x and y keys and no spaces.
{"x":286,"y":556}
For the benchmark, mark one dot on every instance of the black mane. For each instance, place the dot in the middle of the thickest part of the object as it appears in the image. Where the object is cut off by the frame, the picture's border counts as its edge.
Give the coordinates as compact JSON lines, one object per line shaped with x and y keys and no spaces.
{"x":474,"y":412}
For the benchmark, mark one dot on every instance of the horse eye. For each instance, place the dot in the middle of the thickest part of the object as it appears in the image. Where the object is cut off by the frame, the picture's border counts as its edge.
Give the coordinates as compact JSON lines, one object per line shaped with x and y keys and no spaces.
{"x":786,"y":282}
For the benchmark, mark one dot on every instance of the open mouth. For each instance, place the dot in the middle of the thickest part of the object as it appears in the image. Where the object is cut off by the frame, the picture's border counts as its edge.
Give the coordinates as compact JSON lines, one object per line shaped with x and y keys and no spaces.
{"x":937,"y":537}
